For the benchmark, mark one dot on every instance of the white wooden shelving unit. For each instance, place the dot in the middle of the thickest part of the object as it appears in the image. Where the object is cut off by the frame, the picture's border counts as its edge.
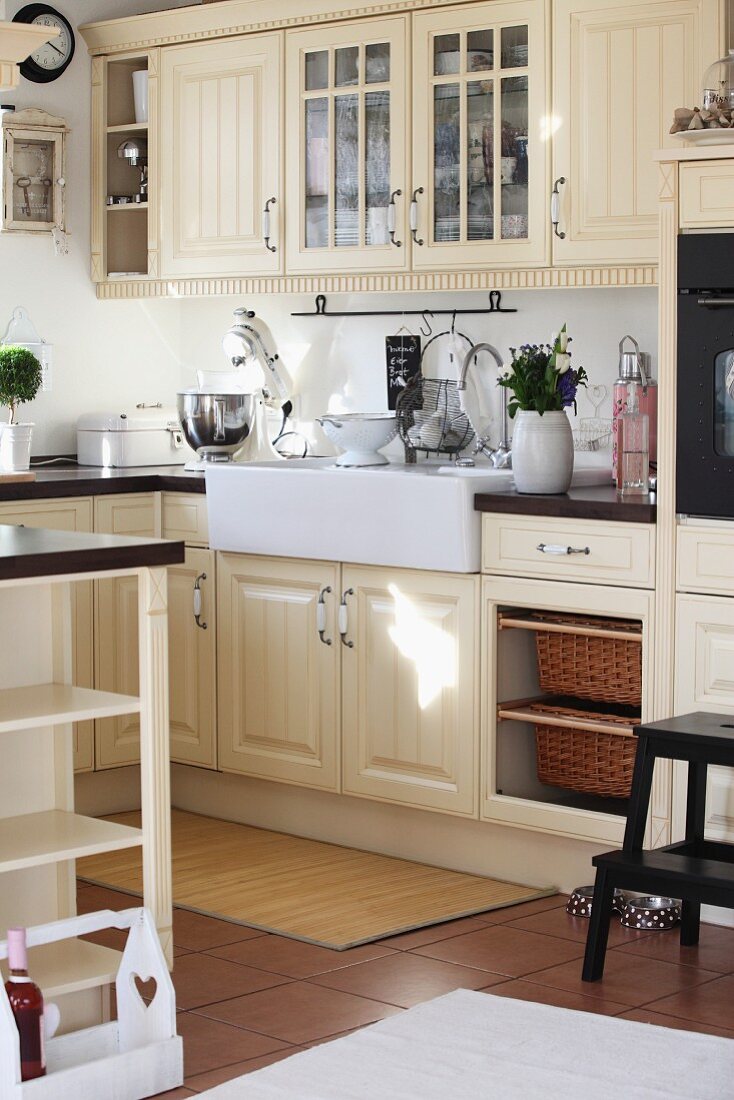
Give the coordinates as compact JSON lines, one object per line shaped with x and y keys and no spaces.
{"x":41,"y":835}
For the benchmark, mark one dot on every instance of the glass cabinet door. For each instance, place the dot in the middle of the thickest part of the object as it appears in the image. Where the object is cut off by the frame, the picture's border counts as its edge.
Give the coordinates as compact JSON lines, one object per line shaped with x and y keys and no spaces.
{"x":347,"y":203}
{"x":479,"y":160}
{"x":32,"y":170}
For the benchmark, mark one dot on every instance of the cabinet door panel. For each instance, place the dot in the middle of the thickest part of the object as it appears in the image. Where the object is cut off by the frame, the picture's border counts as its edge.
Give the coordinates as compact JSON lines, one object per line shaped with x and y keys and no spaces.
{"x":480,"y":149}
{"x":410,"y":688}
{"x":278,"y":682}
{"x":347,"y":133}
{"x":116,"y":627}
{"x":705,"y":681}
{"x":221,"y":142}
{"x":192,"y":660}
{"x":68,"y":515}
{"x":619,"y":72}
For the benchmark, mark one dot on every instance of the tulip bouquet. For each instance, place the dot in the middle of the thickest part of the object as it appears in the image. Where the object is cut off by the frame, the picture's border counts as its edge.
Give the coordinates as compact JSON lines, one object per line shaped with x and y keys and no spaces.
{"x":541,"y":377}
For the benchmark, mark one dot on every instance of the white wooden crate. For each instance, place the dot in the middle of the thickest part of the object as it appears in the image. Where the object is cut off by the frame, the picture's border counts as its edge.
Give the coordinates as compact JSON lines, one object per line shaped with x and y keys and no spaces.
{"x":135,"y":1056}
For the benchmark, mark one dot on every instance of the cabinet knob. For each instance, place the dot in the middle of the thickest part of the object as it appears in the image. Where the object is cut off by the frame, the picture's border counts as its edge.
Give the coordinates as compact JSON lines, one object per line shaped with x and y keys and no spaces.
{"x":197,"y":602}
{"x":344,"y":618}
{"x":555,"y":207}
{"x":321,"y":615}
{"x":414,"y":216}
{"x":266,"y":225}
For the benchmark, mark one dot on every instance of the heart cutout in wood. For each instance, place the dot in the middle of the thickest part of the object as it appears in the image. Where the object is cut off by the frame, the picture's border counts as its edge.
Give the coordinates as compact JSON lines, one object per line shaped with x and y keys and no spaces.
{"x":146,"y":988}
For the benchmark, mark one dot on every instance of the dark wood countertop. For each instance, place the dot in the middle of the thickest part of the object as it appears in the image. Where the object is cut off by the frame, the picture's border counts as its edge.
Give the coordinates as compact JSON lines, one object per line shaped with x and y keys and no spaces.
{"x":36,"y":552}
{"x":86,"y":481}
{"x":601,"y":502}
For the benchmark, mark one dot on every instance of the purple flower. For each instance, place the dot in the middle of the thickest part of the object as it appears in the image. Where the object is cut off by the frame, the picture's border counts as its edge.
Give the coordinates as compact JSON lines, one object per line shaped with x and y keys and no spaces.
{"x":567,"y":386}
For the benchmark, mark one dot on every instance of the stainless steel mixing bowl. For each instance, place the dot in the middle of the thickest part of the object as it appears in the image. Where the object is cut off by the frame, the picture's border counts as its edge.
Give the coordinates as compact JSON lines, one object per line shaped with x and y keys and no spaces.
{"x":216,"y":425}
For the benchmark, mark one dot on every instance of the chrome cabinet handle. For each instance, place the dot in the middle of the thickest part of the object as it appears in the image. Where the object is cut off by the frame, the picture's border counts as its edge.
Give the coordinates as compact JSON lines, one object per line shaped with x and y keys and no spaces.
{"x":344,"y":618}
{"x":549,"y":548}
{"x":197,"y":602}
{"x":266,"y":225}
{"x":321,"y":615}
{"x":414,"y":216}
{"x":555,"y":208}
{"x":392,"y":219}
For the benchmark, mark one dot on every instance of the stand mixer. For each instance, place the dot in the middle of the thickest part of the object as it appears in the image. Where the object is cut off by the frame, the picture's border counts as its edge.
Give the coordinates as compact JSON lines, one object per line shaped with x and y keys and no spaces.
{"x":221,"y":420}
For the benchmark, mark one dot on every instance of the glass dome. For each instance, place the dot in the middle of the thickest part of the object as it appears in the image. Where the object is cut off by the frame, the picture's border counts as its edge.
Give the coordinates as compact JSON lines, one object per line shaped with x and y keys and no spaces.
{"x":718,"y":83}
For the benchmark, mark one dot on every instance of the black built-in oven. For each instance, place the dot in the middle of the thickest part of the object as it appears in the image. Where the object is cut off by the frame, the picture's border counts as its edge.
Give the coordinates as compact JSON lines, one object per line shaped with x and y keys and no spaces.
{"x":705,"y":428}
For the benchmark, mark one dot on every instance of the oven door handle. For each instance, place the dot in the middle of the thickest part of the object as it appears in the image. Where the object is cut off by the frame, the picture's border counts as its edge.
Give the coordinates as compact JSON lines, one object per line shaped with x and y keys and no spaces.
{"x":719,"y":301}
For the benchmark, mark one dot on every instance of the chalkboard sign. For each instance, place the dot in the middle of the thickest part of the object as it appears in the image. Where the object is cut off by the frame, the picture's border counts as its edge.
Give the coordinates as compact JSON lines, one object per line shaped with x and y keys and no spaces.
{"x":403,"y":362}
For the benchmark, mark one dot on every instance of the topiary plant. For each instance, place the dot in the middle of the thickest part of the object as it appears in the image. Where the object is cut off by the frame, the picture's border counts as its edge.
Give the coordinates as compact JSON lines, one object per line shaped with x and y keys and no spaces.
{"x":20,"y":377}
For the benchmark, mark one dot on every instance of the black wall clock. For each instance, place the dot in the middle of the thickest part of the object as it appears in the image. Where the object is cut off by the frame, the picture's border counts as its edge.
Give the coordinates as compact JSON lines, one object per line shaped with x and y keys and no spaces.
{"x":50,"y":60}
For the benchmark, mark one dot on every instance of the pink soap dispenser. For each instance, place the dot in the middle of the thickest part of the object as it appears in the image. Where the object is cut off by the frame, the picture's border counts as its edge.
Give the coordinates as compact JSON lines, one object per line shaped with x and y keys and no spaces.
{"x":634,"y":366}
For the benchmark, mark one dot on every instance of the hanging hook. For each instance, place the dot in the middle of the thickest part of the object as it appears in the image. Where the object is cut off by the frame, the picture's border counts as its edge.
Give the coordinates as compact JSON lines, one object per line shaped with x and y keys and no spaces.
{"x":453,"y":323}
{"x":426,"y":314}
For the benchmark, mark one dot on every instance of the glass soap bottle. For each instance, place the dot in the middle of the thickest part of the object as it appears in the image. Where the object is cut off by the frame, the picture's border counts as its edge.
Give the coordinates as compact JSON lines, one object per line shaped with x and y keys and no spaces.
{"x":26,"y":1004}
{"x":634,"y":447}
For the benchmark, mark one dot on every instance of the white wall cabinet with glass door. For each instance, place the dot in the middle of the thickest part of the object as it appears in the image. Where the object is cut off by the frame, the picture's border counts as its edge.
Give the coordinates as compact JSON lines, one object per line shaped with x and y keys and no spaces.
{"x":619,"y":72}
{"x":347,"y":141}
{"x":480,"y":155}
{"x":222,"y":150}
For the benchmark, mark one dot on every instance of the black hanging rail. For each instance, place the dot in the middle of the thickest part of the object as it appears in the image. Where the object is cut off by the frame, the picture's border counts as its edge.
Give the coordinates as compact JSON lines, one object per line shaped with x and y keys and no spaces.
{"x":495,"y":306}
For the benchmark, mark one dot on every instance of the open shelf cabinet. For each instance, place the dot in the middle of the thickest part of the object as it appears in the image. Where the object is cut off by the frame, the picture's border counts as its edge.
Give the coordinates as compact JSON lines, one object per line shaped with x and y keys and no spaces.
{"x":522,"y":778}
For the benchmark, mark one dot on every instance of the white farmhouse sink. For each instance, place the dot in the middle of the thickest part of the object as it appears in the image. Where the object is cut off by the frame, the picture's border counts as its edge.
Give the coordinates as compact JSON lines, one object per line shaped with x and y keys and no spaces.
{"x":419,"y":517}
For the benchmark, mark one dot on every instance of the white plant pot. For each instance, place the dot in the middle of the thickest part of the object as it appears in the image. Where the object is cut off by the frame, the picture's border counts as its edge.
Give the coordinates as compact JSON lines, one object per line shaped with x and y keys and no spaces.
{"x":542,"y":452}
{"x":15,"y":447}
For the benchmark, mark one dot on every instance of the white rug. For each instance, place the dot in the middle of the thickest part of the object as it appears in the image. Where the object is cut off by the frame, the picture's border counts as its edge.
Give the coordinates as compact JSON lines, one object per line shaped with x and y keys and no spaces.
{"x":473,"y":1046}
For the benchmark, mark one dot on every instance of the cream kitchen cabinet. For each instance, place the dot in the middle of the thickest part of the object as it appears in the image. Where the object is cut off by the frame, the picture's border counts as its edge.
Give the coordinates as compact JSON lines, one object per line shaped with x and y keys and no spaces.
{"x":480,"y":144}
{"x":68,"y":515}
{"x":116,"y":626}
{"x":278,"y":683}
{"x":704,"y":680}
{"x":619,"y":71}
{"x":222,"y":157}
{"x":192,"y":655}
{"x":347,"y":147}
{"x":410,"y":687}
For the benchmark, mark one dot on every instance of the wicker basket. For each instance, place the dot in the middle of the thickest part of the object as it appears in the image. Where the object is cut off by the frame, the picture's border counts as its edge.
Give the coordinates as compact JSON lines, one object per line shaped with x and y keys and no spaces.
{"x":586,"y":760}
{"x":604,"y":664}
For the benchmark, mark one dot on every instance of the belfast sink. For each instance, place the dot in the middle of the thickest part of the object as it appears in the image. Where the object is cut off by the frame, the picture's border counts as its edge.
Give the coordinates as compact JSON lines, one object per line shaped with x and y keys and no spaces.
{"x":417,"y":517}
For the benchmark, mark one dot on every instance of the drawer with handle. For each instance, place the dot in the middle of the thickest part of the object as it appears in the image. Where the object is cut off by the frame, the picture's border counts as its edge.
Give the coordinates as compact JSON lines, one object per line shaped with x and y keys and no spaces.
{"x":705,"y":560}
{"x":593,"y":551}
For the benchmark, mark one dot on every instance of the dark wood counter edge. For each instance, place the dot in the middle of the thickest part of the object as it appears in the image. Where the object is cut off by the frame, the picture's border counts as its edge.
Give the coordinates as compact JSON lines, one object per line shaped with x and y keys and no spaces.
{"x":35,"y":552}
{"x":79,"y":486}
{"x":604,"y":504}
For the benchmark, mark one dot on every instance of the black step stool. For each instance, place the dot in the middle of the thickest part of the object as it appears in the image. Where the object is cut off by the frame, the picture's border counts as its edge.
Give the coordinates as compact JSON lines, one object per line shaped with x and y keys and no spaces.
{"x":697,"y":870}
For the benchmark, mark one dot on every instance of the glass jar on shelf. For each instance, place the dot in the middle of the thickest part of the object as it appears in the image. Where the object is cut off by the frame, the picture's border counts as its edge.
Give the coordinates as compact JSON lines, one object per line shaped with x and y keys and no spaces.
{"x":718,"y":83}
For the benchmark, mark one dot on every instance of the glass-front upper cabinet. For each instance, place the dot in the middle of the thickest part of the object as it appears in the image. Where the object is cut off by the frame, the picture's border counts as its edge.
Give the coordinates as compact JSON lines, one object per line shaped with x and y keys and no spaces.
{"x":346,"y":130}
{"x":480,"y":141}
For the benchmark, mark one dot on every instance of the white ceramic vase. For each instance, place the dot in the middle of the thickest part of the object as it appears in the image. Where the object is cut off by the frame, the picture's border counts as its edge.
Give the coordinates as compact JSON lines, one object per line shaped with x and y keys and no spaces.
{"x":15,"y":447}
{"x":542,"y":452}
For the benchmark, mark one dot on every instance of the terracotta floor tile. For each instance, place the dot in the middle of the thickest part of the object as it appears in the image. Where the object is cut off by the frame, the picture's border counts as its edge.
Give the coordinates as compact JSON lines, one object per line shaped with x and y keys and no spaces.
{"x":629,"y":979}
{"x":202,"y":980}
{"x":711,"y":1004}
{"x":92,"y":898}
{"x":299,"y":1012}
{"x":503,"y":950}
{"x":404,"y":979}
{"x":200,"y":933}
{"x":524,"y":990}
{"x":646,"y":1016}
{"x":214,"y":1077}
{"x":525,"y":909}
{"x":556,"y":922}
{"x":209,"y":1044}
{"x":295,"y":959}
{"x":115,"y":938}
{"x":714,"y":951}
{"x":406,"y":941}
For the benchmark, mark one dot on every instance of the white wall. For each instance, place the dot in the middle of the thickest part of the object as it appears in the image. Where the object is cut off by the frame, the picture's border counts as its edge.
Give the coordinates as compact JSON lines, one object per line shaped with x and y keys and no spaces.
{"x":105,"y":353}
{"x":110,"y":354}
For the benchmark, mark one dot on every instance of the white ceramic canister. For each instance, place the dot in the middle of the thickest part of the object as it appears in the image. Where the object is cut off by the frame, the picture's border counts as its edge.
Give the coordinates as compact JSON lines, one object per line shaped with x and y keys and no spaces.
{"x":542,"y":452}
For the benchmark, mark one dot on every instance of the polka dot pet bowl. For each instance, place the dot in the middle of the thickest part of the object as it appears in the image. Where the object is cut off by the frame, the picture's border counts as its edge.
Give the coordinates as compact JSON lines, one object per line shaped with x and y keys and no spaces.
{"x":651,"y":914}
{"x":579,"y":904}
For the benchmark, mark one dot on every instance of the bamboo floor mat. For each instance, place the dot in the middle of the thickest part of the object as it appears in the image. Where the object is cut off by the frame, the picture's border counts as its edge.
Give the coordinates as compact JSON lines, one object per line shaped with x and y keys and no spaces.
{"x":306,"y":889}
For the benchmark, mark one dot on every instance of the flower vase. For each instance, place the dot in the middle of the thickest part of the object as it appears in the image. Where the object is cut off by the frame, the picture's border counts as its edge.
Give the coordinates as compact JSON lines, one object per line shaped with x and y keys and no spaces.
{"x":542,"y":452}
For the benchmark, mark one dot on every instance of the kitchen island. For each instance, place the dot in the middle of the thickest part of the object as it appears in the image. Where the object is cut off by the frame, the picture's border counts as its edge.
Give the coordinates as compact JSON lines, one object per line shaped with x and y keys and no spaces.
{"x":41,"y":835}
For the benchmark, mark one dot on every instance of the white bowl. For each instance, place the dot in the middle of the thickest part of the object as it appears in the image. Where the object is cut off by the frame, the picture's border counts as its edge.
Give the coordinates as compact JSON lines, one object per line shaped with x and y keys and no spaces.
{"x":360,"y":436}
